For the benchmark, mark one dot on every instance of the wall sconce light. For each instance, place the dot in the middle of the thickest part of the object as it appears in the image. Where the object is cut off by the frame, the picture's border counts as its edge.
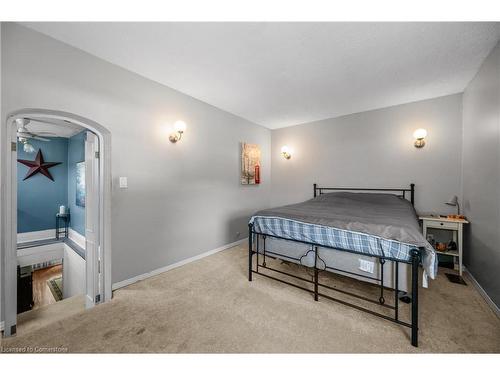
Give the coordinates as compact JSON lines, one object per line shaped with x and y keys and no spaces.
{"x":180,"y":127}
{"x":419,"y":136}
{"x":286,"y":152}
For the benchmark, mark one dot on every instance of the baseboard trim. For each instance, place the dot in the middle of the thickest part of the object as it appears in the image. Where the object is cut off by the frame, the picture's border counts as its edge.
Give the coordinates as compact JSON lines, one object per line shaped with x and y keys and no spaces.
{"x":483,"y":293}
{"x":36,"y":235}
{"x":76,"y":237}
{"x":124,"y":283}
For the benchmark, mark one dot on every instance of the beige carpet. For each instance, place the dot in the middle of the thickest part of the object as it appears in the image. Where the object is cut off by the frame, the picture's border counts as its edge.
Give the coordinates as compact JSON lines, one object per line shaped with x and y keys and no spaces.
{"x":31,"y":321}
{"x":209,"y":306}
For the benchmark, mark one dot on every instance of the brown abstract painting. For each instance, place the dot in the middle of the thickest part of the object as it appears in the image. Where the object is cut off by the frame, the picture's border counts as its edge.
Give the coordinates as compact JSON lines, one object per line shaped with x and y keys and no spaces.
{"x":250,"y":164}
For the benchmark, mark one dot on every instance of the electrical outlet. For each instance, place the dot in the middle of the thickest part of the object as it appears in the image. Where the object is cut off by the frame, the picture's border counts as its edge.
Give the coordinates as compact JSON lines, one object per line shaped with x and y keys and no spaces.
{"x":366,"y":265}
{"x":238,"y":234}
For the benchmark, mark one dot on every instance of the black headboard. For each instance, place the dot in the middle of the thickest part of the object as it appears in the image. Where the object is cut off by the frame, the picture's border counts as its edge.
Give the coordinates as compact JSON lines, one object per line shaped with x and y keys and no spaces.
{"x":320,"y":190}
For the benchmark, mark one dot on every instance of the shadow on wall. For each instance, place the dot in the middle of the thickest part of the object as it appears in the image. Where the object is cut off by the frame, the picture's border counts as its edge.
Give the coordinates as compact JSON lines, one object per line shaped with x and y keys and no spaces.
{"x":477,"y":263}
{"x":467,"y":242}
{"x":237,"y":225}
{"x":76,"y":154}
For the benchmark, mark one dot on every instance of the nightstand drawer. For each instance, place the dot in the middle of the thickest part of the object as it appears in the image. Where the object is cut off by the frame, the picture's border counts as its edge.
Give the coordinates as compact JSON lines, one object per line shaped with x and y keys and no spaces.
{"x":442,"y":225}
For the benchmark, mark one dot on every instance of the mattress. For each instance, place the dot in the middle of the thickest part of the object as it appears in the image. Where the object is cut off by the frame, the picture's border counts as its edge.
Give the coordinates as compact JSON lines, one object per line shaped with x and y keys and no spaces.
{"x":383,"y":225}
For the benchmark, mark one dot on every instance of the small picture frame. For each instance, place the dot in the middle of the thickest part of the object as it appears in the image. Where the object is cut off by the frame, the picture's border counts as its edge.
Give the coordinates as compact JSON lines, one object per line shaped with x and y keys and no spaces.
{"x":80,"y":184}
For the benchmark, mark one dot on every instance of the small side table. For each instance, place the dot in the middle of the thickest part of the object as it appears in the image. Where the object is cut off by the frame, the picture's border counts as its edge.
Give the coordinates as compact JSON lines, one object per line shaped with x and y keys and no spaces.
{"x":455,"y":225}
{"x":64,"y":220}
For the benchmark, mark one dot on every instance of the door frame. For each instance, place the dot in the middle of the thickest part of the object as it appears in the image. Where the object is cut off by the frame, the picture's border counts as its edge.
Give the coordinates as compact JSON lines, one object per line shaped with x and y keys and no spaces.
{"x":8,"y":249}
{"x":93,"y":276}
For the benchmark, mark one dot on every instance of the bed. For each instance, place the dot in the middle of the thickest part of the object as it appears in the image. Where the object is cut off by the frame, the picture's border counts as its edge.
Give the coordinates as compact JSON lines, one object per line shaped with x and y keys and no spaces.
{"x":341,"y":230}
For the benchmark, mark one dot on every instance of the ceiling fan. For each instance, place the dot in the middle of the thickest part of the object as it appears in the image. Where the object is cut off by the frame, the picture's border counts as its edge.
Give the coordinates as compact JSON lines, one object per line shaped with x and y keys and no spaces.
{"x":24,"y":134}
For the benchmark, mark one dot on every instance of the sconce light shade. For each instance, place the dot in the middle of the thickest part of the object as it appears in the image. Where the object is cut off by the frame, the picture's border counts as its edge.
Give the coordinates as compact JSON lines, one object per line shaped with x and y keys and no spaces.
{"x":286,"y":152}
{"x":180,"y":127}
{"x":419,"y":136}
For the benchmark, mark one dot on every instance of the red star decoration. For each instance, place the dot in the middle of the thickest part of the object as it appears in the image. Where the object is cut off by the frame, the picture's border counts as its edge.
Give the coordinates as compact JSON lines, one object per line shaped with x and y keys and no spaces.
{"x":38,"y":166}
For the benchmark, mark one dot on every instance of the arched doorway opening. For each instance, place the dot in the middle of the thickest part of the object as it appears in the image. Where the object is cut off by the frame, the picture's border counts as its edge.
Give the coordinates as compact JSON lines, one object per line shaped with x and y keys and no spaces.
{"x":98,"y":281}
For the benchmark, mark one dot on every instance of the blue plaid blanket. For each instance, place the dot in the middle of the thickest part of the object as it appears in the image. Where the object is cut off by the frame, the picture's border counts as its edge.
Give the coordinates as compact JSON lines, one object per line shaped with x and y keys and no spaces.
{"x":332,"y":237}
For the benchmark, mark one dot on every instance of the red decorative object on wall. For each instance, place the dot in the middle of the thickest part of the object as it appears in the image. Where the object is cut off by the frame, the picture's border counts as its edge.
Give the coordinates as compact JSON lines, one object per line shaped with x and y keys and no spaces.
{"x":38,"y":166}
{"x":257,"y":174}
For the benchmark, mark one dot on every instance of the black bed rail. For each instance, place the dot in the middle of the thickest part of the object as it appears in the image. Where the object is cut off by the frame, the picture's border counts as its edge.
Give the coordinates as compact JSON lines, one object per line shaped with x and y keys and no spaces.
{"x":403,"y":191}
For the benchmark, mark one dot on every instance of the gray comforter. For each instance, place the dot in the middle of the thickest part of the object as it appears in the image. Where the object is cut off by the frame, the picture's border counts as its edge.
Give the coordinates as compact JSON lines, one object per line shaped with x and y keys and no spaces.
{"x":383,"y":215}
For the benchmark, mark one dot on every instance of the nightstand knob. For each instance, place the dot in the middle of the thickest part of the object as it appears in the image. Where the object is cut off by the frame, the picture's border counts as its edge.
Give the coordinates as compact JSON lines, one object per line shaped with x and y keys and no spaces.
{"x":441,"y":223}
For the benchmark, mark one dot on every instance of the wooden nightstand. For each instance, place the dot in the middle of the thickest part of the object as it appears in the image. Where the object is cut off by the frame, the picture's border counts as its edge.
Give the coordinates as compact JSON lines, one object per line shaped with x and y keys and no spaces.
{"x":455,"y":225}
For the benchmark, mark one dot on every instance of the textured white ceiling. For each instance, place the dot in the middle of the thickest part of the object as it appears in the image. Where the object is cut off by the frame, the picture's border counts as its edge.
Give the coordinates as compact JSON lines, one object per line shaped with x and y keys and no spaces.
{"x":282,"y":74}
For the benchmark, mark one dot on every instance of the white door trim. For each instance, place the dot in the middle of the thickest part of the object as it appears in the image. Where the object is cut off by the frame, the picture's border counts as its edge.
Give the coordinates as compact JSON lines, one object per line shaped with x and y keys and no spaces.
{"x":92,"y":280}
{"x":8,"y":240}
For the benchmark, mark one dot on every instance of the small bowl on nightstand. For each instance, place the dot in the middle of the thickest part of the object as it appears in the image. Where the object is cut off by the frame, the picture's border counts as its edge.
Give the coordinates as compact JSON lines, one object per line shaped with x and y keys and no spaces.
{"x":441,"y":246}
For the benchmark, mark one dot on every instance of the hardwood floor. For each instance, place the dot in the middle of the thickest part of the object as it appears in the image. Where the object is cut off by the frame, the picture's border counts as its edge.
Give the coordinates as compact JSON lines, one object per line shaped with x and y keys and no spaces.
{"x":42,"y":295}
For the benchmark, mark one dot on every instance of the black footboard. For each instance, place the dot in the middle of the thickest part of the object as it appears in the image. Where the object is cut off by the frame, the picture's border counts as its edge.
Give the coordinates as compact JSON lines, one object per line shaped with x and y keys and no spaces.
{"x":255,"y":239}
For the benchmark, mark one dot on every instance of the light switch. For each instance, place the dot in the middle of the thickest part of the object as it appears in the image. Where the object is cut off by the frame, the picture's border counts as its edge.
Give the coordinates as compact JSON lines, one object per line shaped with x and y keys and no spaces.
{"x":123,"y":183}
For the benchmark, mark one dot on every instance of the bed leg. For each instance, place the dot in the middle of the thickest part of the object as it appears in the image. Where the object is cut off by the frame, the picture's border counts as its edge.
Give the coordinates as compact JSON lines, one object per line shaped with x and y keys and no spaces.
{"x":415,"y":259}
{"x":257,"y":253}
{"x":250,"y":251}
{"x":316,"y":274}
{"x":264,"y":239}
{"x":396,"y":291}
{"x":381,"y":298}
{"x":315,"y":284}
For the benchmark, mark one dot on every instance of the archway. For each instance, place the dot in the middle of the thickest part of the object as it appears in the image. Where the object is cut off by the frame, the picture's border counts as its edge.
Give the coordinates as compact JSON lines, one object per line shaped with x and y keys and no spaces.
{"x":99,"y":259}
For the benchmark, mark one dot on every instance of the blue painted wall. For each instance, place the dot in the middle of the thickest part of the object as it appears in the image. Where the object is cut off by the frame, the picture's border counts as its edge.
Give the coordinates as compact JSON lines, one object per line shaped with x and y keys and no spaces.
{"x":38,"y":198}
{"x":76,"y":154}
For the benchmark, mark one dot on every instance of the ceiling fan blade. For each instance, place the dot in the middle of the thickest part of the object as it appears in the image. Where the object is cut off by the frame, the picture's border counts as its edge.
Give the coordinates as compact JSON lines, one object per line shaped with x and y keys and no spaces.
{"x":48,"y":134}
{"x":41,"y":138}
{"x":24,"y":135}
{"x":43,"y":121}
{"x":31,"y":136}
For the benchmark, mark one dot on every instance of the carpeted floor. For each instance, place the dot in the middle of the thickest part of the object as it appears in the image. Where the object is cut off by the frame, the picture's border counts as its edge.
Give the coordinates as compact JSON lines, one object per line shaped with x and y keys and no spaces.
{"x":209,"y":306}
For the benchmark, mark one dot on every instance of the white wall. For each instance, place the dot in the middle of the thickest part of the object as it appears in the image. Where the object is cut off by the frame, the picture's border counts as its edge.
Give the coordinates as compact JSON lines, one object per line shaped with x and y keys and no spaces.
{"x":73,"y":273}
{"x":183,"y":199}
{"x":374,"y":149}
{"x":481,"y":174}
{"x":40,"y":254}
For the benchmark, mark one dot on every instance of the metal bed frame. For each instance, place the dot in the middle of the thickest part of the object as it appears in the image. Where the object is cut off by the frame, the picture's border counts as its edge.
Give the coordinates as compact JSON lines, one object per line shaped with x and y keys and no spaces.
{"x":253,"y":248}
